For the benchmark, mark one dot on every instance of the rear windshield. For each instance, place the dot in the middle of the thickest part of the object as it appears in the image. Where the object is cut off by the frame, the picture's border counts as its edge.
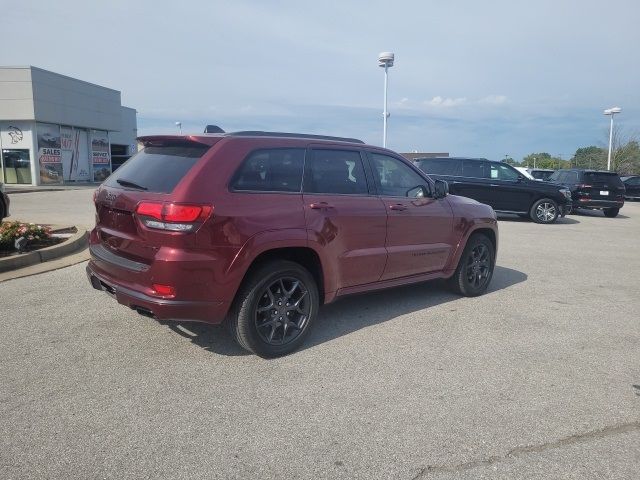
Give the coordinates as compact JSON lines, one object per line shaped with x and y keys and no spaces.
{"x":603,"y":177}
{"x":157,"y":169}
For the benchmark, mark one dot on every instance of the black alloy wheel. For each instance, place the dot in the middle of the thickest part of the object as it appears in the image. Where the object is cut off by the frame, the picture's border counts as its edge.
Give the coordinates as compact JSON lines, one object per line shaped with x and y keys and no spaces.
{"x":282,"y":311}
{"x":475,"y":267}
{"x":274,"y":309}
{"x":478,"y":266}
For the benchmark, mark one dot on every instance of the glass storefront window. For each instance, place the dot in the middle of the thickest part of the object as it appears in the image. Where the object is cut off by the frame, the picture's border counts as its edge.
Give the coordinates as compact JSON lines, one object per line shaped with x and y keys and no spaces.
{"x":16,"y":166}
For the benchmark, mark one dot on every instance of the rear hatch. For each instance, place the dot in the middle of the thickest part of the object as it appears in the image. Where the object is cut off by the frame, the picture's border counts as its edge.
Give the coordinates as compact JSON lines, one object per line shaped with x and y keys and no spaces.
{"x":602,"y":186}
{"x":134,"y":211}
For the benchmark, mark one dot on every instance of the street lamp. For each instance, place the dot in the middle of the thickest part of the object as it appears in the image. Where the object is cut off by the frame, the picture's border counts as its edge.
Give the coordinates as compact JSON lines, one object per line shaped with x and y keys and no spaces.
{"x":611,"y":111}
{"x":385,"y":59}
{"x":179,"y":125}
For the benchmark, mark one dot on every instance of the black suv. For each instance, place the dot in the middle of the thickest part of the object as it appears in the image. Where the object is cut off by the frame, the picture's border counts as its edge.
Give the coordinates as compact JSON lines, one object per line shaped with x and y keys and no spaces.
{"x":593,"y":189}
{"x":501,"y":186}
{"x":632,"y":187}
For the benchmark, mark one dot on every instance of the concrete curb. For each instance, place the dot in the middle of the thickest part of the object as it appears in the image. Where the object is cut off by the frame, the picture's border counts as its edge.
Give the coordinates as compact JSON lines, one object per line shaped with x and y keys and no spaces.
{"x":75,"y":243}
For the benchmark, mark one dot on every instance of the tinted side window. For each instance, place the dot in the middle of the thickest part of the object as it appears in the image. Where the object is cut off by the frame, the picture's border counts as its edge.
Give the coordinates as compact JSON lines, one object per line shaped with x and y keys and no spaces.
{"x":474,"y":168}
{"x":556,"y":177}
{"x":335,"y":171}
{"x":571,"y":178}
{"x":393,"y":177}
{"x":498,"y":171}
{"x":158,"y":169}
{"x":439,"y":166}
{"x":271,"y":170}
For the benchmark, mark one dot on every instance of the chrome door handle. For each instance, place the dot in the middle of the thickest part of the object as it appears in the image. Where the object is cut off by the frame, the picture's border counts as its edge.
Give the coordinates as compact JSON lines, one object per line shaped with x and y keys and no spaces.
{"x":320,"y":205}
{"x":397,"y":206}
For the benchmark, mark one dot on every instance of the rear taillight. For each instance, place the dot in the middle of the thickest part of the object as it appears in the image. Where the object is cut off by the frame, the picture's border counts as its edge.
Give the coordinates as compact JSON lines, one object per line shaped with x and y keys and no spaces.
{"x":166,"y":291}
{"x":174,"y":217}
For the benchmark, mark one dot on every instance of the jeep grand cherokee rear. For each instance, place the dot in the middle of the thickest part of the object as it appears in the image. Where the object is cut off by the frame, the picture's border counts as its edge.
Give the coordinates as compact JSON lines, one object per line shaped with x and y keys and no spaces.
{"x":259,"y":229}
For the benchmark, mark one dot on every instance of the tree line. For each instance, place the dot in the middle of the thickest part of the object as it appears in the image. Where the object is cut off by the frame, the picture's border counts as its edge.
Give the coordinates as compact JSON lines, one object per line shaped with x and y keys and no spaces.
{"x":625,"y":158}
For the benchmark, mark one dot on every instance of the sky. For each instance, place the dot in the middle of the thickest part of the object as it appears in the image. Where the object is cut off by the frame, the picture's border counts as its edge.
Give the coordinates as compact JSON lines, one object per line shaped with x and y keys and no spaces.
{"x":483,"y":79}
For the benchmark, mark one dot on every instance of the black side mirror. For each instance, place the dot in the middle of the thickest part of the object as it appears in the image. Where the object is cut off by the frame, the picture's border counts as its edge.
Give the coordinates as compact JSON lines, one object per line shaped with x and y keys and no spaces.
{"x":441,"y":189}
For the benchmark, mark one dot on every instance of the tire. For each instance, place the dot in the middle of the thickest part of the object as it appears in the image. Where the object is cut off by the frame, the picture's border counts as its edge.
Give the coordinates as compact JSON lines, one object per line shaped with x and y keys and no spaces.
{"x":544,"y":210}
{"x":262,"y":321}
{"x":611,"y":212}
{"x":2,"y":211}
{"x":470,"y":278}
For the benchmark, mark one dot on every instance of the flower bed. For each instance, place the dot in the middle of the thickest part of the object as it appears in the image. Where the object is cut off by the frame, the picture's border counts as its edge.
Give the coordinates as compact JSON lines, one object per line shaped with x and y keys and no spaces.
{"x":36,"y":236}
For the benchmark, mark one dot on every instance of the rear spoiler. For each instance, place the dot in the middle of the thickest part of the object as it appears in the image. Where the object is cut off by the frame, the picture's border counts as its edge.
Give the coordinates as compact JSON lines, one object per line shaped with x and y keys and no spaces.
{"x":176,"y":140}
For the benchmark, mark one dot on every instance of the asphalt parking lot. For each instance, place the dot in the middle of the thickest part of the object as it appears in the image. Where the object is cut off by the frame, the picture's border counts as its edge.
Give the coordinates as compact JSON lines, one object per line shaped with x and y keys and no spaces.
{"x":539,"y":378}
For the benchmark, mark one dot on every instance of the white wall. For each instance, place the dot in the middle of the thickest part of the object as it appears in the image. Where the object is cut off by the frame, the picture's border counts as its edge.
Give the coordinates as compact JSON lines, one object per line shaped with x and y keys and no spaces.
{"x":16,"y":94}
{"x":128,"y":131}
{"x":68,"y":101}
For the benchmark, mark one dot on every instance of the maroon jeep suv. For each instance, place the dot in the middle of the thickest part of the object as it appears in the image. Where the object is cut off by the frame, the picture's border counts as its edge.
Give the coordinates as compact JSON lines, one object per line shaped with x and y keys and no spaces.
{"x":258,"y":229}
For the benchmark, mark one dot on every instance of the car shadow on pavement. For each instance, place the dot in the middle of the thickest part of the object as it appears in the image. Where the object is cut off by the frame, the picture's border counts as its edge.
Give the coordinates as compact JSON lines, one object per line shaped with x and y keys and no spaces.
{"x":594,"y":213}
{"x":351,"y":313}
{"x":505,"y":217}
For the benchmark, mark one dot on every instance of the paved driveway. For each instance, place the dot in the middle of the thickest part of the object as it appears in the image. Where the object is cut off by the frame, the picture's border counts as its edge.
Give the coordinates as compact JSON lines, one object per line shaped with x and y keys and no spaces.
{"x":539,"y":378}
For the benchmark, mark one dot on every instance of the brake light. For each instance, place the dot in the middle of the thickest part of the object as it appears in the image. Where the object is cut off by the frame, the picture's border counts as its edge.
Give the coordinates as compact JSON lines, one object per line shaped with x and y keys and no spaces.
{"x":174,"y":217}
{"x":164,"y":290}
{"x":584,"y":185}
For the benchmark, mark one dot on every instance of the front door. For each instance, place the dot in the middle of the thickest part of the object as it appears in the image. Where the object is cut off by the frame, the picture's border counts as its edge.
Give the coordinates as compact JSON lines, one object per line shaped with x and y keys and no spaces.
{"x":419,"y":227}
{"x":343,"y":216}
{"x":507,"y":192}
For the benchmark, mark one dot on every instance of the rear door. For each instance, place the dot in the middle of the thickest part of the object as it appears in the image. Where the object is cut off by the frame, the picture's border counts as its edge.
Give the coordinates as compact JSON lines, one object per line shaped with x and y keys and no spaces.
{"x":474,"y":181}
{"x":343,"y":216}
{"x":419,"y":228}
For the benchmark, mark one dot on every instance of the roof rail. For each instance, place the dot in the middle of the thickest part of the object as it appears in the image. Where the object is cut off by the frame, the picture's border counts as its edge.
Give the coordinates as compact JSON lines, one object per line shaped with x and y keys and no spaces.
{"x":258,"y":133}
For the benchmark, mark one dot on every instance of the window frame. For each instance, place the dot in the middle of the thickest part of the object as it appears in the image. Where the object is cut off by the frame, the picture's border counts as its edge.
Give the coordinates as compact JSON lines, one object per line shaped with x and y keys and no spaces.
{"x":236,"y":173}
{"x":429,"y":183}
{"x":309,"y":155}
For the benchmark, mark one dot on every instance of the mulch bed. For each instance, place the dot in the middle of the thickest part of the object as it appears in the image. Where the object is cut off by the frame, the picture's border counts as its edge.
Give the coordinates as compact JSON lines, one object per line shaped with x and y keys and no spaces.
{"x":8,"y":250}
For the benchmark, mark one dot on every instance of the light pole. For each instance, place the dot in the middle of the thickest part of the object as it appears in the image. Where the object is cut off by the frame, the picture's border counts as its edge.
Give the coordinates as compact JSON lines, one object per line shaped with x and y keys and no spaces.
{"x":385,"y":59}
{"x":611,"y":111}
{"x":179,"y":125}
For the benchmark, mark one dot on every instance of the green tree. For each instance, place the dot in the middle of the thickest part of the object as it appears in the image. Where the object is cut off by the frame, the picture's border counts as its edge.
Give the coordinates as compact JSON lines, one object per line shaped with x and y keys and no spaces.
{"x":543,"y":160}
{"x":626,"y":158}
{"x":590,"y":157}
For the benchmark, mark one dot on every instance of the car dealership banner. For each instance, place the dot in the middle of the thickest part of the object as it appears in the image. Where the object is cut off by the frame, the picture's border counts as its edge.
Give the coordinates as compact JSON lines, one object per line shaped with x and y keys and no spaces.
{"x":75,"y":154}
{"x":49,"y":153}
{"x":100,"y":155}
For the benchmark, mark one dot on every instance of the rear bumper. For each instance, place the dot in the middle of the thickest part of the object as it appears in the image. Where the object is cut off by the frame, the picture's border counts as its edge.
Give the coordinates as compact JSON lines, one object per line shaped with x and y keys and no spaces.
{"x":591,"y":203}
{"x":158,"y":308}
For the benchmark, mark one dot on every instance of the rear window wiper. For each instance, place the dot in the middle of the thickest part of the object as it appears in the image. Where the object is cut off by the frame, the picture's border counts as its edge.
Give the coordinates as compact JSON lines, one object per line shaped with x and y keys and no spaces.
{"x":128,"y":183}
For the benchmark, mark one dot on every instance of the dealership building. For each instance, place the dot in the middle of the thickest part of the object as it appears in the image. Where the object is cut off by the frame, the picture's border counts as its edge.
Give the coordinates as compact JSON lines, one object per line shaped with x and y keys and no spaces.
{"x":58,"y":130}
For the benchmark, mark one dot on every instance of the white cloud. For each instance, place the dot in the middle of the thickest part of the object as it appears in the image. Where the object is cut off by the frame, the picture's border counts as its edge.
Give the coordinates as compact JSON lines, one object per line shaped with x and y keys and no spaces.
{"x":493,"y":100}
{"x":446,"y":102}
